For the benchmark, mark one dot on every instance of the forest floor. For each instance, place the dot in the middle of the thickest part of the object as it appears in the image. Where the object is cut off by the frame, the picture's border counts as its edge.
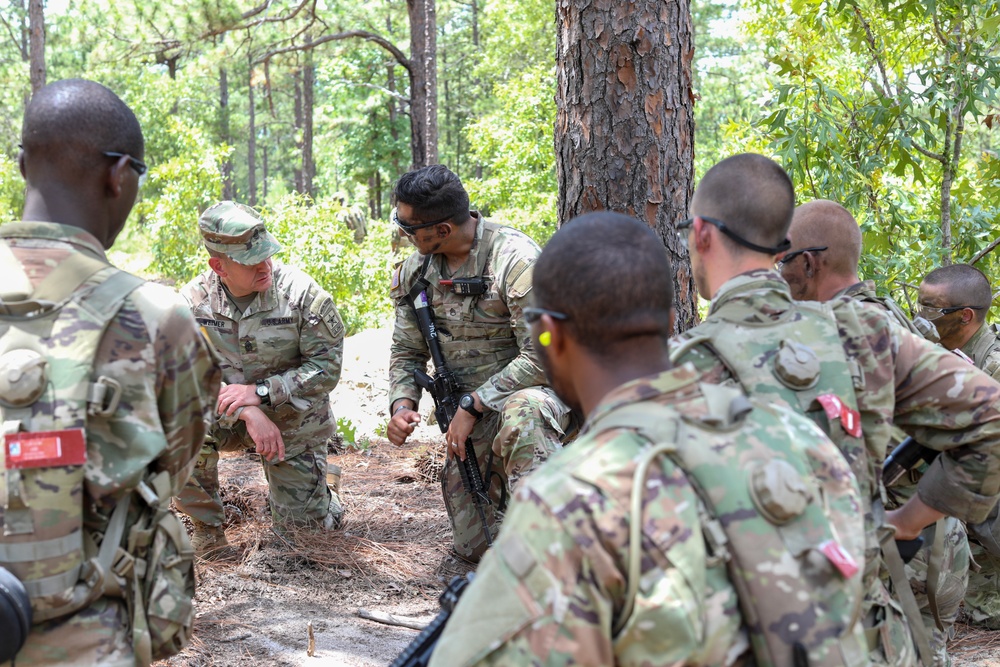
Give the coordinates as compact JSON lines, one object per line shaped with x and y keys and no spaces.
{"x":294,"y":601}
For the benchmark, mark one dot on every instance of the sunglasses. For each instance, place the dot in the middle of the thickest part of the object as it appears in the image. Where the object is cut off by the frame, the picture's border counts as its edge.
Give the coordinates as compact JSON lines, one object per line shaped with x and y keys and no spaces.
{"x":532,"y":315}
{"x":682,"y":234}
{"x":789,"y":256}
{"x":931,"y":313}
{"x":137,"y":165}
{"x":409,"y":229}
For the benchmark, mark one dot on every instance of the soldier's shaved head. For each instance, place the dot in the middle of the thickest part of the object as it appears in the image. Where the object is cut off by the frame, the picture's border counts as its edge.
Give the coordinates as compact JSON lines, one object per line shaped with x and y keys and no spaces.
{"x":962,"y":285}
{"x":610,"y":274}
{"x":752,"y":195}
{"x":826,"y":223}
{"x":71,"y":122}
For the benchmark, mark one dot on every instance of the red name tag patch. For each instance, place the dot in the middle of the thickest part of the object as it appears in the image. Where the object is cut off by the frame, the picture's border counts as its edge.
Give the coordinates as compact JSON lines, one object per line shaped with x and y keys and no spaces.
{"x":47,"y":449}
{"x":839,"y":558}
{"x":837,"y":410}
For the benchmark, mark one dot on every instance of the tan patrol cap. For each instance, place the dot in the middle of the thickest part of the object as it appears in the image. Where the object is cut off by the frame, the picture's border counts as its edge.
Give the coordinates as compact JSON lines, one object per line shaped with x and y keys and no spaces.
{"x":237,"y":231}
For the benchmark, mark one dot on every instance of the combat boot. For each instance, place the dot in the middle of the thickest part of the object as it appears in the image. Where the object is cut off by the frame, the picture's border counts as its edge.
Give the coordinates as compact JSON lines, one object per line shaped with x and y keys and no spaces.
{"x":210,"y":542}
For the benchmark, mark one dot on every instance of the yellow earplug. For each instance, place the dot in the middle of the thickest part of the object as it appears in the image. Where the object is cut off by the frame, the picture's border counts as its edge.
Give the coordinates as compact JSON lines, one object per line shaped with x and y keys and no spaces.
{"x":545,"y":338}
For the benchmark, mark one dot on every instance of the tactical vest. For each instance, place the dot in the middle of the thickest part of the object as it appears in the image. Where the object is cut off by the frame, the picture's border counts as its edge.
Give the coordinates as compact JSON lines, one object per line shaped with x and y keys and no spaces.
{"x":49,"y":340}
{"x":475,"y":344}
{"x":981,"y":353}
{"x":763,"y":509}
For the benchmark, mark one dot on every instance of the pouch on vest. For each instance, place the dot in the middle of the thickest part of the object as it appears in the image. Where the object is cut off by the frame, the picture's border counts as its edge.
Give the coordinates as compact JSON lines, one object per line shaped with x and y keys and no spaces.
{"x":781,"y":513}
{"x":48,"y":345}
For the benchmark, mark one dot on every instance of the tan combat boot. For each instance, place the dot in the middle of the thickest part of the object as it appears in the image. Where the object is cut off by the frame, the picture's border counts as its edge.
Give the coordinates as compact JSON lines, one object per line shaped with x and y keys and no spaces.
{"x":210,"y":542}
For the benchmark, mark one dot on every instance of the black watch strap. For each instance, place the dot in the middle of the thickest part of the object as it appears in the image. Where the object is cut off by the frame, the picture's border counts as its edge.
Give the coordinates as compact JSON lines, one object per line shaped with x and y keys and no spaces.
{"x":468,"y":404}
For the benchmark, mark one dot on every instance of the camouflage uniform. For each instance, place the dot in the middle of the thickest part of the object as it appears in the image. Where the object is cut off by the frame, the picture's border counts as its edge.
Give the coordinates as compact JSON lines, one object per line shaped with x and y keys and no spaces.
{"x":895,"y":377}
{"x":292,"y":338}
{"x":555,"y":583}
{"x":355,"y":219}
{"x":953,"y":563}
{"x":982,"y":601}
{"x":169,"y":382}
{"x":487,"y":344}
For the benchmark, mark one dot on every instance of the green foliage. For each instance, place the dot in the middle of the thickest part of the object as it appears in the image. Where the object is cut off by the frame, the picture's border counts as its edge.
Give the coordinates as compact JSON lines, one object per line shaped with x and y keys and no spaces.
{"x":11,"y":190}
{"x":346,"y":428}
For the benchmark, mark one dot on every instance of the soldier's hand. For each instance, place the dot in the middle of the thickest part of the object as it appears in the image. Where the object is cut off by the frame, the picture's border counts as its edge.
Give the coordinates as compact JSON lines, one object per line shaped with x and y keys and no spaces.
{"x":911,"y":519}
{"x":234,"y":396}
{"x":458,"y":432}
{"x":401,"y":425}
{"x":264,"y":433}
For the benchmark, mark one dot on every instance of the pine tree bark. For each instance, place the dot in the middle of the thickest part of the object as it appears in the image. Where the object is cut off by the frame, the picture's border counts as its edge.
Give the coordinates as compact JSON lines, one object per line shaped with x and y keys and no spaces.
{"x":423,"y":82}
{"x":251,"y":141}
{"x":36,"y":44}
{"x":308,"y":103}
{"x":228,"y":190}
{"x":625,"y":121}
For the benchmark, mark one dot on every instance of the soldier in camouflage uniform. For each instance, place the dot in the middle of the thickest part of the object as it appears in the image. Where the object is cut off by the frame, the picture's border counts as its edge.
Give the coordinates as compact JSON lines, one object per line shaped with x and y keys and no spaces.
{"x":822,"y":265}
{"x":82,"y":160}
{"x":847,"y":365}
{"x":281,"y":341}
{"x":956,"y":298}
{"x":515,"y":421}
{"x":555,"y":590}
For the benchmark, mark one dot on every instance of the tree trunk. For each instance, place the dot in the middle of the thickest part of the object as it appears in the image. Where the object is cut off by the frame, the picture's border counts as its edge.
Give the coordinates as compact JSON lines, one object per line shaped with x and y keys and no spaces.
{"x":390,"y":83}
{"x":625,"y":122}
{"x":308,"y":96}
{"x":251,"y":143}
{"x":423,"y":82}
{"x":36,"y":47}
{"x":299,"y":176}
{"x":228,"y":191}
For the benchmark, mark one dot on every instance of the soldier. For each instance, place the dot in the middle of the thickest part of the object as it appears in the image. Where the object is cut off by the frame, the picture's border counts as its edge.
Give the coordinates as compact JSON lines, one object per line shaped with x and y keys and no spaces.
{"x":822,"y":265}
{"x":846,"y":365}
{"x":354,"y":218}
{"x":515,"y":421}
{"x":281,"y":341}
{"x":566,"y":584}
{"x":956,"y":298}
{"x":100,"y":353}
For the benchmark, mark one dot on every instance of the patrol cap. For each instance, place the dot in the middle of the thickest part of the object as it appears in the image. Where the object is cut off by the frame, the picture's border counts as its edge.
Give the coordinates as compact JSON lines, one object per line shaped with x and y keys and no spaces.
{"x":237,"y":231}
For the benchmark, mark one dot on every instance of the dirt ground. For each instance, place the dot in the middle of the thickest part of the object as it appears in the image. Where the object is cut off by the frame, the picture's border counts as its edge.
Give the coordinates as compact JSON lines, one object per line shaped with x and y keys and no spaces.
{"x":392,"y":555}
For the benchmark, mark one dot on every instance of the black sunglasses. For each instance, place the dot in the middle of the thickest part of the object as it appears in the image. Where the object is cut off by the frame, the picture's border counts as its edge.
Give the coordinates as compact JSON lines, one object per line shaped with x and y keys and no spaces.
{"x":789,"y":256}
{"x":137,"y":165}
{"x":532,"y":315}
{"x":683,"y":226}
{"x":409,"y":229}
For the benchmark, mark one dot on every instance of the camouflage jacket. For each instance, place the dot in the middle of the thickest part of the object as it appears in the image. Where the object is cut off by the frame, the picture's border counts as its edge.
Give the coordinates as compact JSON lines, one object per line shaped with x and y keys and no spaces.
{"x":485,"y":340}
{"x":556,"y":581}
{"x":290,"y":336}
{"x":170,"y":384}
{"x":864,"y":292}
{"x":899,"y":378}
{"x":984,"y":349}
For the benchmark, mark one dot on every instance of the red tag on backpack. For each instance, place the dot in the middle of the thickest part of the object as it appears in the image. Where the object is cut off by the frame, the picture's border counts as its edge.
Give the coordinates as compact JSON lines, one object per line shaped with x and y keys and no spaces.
{"x":45,"y":449}
{"x":837,"y":410}
{"x":840,"y":559}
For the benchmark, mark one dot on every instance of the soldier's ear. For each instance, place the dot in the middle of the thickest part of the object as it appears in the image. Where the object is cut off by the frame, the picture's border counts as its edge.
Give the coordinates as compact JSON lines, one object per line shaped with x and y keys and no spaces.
{"x":115,"y":174}
{"x":216,"y":265}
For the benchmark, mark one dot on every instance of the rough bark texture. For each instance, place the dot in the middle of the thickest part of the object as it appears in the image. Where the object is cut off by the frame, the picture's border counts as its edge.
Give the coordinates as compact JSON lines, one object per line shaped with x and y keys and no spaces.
{"x":228,"y":190}
{"x":423,"y":82}
{"x":625,"y":123}
{"x":251,"y":143}
{"x":36,"y":47}
{"x":308,"y":96}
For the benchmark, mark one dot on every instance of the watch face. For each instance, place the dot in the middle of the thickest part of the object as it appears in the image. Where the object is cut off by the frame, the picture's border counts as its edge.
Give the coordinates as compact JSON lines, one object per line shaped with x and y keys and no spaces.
{"x":466,"y":402}
{"x":262,"y":390}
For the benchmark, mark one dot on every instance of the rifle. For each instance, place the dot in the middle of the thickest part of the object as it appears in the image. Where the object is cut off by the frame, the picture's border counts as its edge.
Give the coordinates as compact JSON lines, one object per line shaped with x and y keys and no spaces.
{"x":908,"y":455}
{"x":904,"y":458}
{"x":418,"y":652}
{"x":444,"y":389}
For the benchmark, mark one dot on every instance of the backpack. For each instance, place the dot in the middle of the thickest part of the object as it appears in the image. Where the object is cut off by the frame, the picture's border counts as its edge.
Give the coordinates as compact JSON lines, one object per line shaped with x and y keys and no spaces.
{"x":49,"y":339}
{"x":780,"y":512}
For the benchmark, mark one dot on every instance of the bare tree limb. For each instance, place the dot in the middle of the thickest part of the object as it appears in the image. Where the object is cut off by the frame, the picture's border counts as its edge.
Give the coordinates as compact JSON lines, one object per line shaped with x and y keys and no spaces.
{"x":10,"y":31}
{"x":350,"y":34}
{"x":295,"y":11}
{"x":985,"y":251}
{"x":391,"y":619}
{"x":381,"y":89}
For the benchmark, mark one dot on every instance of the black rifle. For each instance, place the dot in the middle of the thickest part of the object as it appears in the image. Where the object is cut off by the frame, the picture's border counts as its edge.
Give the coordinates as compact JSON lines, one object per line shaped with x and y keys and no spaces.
{"x":905,"y":457}
{"x":444,"y":389}
{"x":418,"y":652}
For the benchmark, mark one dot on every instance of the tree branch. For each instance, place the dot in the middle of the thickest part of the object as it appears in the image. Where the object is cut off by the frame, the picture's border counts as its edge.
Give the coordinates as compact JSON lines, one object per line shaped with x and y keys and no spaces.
{"x":381,"y":89}
{"x":985,"y":251}
{"x":350,"y":34}
{"x":295,"y":11}
{"x":10,"y":31}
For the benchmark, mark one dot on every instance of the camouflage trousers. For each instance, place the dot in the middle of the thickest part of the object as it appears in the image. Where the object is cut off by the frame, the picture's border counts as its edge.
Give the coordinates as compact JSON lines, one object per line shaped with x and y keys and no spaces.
{"x":982,"y":602}
{"x":953,"y":577}
{"x":97,"y":635}
{"x":298,"y":492}
{"x":531,"y":426}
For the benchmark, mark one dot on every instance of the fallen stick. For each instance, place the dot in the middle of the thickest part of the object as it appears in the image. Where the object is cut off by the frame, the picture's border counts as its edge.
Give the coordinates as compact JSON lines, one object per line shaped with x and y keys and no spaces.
{"x":391,"y":619}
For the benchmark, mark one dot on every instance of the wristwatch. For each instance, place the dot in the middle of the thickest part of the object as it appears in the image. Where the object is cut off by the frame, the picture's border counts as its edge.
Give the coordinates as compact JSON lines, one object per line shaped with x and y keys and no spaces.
{"x":468,"y":403}
{"x":263,"y":392}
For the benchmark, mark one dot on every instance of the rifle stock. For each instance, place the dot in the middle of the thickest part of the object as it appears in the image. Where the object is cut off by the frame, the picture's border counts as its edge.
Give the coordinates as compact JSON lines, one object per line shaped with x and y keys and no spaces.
{"x":904,"y":458}
{"x":418,"y":652}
